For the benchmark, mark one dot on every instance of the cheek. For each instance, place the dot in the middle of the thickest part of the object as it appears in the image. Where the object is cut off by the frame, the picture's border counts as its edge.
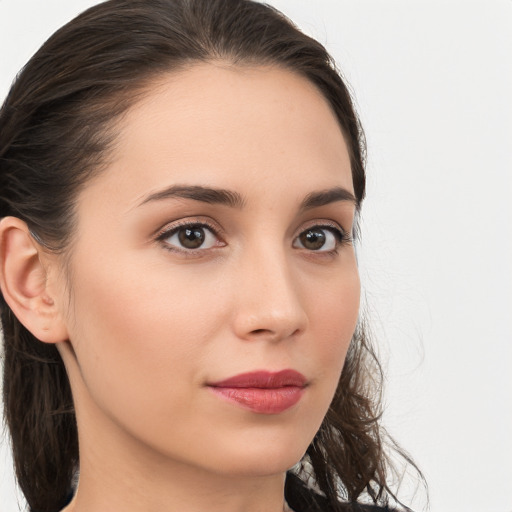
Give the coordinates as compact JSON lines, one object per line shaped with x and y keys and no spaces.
{"x":139,"y":341}
{"x":334,"y":316}
{"x":334,"y":310}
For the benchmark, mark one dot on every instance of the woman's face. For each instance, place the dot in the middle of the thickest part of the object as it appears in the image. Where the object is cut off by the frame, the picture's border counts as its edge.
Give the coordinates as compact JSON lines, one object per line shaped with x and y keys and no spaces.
{"x":215,"y":244}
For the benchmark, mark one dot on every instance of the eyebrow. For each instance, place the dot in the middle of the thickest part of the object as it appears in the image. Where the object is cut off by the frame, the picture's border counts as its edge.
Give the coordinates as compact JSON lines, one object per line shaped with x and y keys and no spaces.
{"x":325,"y":197}
{"x":198,"y":193}
{"x":233,"y":199}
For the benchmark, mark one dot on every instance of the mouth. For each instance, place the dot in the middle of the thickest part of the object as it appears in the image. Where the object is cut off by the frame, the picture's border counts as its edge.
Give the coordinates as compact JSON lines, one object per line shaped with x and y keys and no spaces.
{"x":262,"y":392}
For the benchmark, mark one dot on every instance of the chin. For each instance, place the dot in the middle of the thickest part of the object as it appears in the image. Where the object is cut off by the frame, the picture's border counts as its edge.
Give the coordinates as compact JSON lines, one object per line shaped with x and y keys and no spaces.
{"x":263,"y":458}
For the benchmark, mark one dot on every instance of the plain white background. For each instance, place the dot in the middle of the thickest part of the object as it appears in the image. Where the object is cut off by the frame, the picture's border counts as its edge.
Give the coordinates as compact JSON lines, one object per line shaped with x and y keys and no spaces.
{"x":433,"y":82}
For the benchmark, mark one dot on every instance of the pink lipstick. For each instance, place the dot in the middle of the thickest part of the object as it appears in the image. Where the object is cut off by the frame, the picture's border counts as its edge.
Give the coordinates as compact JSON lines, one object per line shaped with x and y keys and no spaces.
{"x":262,"y":391}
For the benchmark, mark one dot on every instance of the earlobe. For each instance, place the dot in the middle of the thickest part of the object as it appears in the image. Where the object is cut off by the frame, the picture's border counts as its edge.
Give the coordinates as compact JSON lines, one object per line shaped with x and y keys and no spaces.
{"x":24,"y":282}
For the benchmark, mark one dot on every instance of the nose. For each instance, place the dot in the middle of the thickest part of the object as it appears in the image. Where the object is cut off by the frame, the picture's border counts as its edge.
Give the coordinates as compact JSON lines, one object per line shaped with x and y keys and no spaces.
{"x":267,"y":302}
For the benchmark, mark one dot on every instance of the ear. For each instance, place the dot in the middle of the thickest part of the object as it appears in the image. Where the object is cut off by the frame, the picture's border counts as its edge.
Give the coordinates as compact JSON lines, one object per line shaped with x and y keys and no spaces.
{"x":24,"y":282}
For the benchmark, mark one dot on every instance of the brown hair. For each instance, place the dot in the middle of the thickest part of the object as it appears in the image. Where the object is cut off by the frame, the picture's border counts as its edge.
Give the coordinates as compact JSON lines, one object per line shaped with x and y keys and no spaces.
{"x":56,"y":127}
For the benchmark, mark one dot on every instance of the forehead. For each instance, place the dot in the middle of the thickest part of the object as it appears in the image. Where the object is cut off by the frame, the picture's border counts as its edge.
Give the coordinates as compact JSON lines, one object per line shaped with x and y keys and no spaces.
{"x":247,"y":128}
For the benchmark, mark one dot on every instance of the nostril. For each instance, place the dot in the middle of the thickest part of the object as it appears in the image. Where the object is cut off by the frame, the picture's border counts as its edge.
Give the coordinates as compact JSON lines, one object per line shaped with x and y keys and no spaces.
{"x":260,"y":331}
{"x":272,"y":334}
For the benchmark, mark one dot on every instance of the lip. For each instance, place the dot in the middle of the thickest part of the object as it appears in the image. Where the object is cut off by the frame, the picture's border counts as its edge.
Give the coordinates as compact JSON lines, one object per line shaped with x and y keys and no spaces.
{"x":262,"y":392}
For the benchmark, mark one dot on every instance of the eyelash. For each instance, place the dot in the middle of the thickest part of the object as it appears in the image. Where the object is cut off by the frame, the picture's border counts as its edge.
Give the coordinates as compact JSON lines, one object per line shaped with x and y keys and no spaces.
{"x":342,"y":237}
{"x":167,"y":232}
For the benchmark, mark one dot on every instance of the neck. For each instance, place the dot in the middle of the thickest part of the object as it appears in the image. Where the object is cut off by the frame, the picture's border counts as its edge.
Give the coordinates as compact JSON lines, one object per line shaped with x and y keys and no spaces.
{"x":120,"y":474}
{"x":174,"y":489}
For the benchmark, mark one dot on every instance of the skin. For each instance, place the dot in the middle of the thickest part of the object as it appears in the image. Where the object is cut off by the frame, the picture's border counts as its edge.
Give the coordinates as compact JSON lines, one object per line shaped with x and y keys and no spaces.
{"x":146,"y":324}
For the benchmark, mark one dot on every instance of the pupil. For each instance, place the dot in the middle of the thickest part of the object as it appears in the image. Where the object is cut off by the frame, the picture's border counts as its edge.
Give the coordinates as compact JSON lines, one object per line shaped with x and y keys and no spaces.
{"x":313,"y":239}
{"x":191,"y":238}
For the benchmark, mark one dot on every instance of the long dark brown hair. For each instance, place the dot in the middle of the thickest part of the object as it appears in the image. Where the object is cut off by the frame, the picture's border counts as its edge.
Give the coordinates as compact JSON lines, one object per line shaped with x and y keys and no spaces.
{"x":57,"y":126}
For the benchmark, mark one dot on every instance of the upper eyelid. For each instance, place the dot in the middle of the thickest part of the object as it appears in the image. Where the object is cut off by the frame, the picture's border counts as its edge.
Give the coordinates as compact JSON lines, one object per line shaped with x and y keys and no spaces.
{"x":173,"y":226}
{"x":322,"y":223}
{"x":170,"y":229}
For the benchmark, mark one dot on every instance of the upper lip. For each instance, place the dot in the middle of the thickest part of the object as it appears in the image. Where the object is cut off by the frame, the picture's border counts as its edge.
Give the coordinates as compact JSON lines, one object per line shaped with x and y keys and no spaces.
{"x":263,"y":379}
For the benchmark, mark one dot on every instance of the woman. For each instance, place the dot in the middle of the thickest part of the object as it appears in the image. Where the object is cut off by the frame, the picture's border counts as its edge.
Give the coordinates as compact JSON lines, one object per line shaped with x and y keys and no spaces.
{"x":181,"y":325}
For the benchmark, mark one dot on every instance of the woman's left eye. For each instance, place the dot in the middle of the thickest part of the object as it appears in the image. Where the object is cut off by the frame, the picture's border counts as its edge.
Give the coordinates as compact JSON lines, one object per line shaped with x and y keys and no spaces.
{"x":190,"y":237}
{"x":320,"y":239}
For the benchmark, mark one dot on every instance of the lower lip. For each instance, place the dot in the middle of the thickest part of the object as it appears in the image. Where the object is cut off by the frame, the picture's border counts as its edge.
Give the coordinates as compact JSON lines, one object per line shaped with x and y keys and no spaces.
{"x":261,"y":400}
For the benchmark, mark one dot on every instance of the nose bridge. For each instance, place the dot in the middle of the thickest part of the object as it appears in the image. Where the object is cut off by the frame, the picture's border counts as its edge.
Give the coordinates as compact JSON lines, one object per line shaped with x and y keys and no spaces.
{"x":268,"y":302}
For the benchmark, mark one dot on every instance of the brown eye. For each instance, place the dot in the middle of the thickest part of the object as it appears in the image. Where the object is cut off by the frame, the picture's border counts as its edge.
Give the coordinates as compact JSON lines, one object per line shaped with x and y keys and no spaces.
{"x":190,"y":237}
{"x":319,"y":238}
{"x":313,"y":239}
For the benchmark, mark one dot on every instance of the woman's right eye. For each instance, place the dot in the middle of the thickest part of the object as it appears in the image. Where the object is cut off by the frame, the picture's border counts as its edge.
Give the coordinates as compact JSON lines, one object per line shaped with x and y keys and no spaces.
{"x":189,"y":237}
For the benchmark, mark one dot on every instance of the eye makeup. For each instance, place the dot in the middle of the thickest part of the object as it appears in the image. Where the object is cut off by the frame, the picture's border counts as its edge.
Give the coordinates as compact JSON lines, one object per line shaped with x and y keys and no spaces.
{"x":194,"y":237}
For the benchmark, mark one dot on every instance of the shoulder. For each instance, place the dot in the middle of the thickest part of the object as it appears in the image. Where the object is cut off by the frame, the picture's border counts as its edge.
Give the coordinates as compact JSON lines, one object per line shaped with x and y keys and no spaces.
{"x":303,"y":499}
{"x":368,"y":508}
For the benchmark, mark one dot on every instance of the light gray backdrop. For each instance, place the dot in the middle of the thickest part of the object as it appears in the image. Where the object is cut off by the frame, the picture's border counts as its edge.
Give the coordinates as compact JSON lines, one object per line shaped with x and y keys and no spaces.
{"x":433,"y":82}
